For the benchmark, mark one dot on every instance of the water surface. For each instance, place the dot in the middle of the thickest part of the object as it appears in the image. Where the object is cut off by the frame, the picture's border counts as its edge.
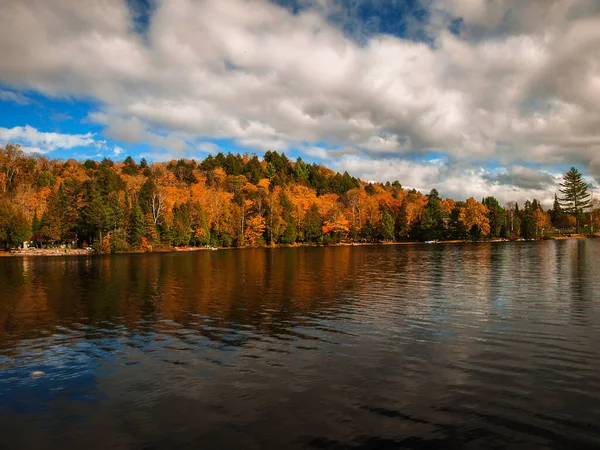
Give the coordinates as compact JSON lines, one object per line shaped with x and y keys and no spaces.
{"x":413,"y":346}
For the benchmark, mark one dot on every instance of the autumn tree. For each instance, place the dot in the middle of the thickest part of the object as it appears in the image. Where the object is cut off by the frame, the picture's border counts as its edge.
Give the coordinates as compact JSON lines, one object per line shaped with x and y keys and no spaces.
{"x":541,"y":220}
{"x":473,"y":216}
{"x":255,"y":229}
{"x":10,"y":157}
{"x":199,"y":224}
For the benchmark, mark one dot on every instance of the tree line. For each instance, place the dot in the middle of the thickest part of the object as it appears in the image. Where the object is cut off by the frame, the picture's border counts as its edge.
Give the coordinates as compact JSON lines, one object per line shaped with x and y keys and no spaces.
{"x":241,"y":200}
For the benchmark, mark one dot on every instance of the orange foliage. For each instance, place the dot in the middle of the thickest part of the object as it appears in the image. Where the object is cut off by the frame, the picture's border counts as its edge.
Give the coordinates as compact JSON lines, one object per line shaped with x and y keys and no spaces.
{"x":255,"y":227}
{"x":475,"y":214}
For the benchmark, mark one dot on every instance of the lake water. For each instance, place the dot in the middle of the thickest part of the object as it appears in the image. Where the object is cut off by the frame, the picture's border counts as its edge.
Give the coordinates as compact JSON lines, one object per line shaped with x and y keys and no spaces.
{"x":411,"y":346}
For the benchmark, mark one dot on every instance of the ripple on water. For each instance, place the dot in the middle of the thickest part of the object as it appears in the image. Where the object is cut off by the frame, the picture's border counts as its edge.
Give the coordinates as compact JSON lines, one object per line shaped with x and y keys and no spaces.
{"x":481,"y":346}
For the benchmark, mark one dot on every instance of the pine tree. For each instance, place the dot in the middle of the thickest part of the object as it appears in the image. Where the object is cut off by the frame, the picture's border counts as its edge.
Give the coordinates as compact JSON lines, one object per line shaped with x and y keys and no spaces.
{"x":431,"y":226}
{"x":575,"y":195}
{"x":528,"y":230}
{"x":313,"y":224}
{"x":36,"y":224}
{"x":136,"y":226}
{"x":150,"y":232}
{"x":387,"y":226}
{"x":495,"y":216}
{"x":558,"y":216}
{"x":19,"y":229}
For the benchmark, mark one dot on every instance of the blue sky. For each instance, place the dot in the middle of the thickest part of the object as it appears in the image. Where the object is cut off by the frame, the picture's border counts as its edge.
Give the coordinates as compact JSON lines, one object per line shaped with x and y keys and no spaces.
{"x":469,"y":96}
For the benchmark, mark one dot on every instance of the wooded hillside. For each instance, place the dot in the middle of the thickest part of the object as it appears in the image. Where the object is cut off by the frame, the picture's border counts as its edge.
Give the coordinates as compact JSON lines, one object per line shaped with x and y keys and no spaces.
{"x":233,"y":200}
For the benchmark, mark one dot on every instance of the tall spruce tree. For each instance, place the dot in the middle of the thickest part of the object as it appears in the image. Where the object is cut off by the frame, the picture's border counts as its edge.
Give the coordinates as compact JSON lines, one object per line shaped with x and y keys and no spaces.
{"x":558,"y":217}
{"x":575,"y":198}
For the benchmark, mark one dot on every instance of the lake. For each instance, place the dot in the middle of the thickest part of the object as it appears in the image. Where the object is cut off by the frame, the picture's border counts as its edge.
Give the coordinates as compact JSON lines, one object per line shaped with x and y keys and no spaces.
{"x":408,"y":346}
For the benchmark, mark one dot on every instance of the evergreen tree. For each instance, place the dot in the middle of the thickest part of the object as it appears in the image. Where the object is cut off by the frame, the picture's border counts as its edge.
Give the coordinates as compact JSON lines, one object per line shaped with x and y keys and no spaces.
{"x":528,"y":228}
{"x":495,"y":215}
{"x":368,"y":231}
{"x":291,"y":233}
{"x":313,"y":224}
{"x":387,"y":226}
{"x":19,"y":229}
{"x":181,"y":227}
{"x":150,"y":232}
{"x":301,"y":170}
{"x":558,"y":217}
{"x":53,"y":222}
{"x":36,"y":224}
{"x":6,"y":213}
{"x":575,"y":198}
{"x":431,"y":225}
{"x":94,"y":219}
{"x":135,"y":229}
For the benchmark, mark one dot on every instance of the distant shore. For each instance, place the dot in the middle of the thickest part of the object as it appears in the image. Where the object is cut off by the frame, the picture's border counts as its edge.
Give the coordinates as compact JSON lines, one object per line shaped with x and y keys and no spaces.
{"x":83,"y":252}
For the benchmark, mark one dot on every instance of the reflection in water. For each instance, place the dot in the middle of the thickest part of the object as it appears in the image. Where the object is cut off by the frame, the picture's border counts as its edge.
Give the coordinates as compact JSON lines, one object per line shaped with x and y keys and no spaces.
{"x":417,"y":346}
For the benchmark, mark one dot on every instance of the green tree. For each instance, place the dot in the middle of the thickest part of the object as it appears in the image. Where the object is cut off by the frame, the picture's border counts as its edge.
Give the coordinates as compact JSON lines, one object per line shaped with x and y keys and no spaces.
{"x":95,"y":217}
{"x":54,"y":223}
{"x":135,"y":229}
{"x":431,"y":225}
{"x":6,"y":213}
{"x":181,"y":227}
{"x":291,"y":233}
{"x":36,"y":224}
{"x":14,"y":226}
{"x":387,"y":226}
{"x":528,"y":228}
{"x":301,"y":170}
{"x":19,"y":229}
{"x":313,"y":224}
{"x":495,"y":215}
{"x":150,"y":232}
{"x":558,"y":217}
{"x":576,"y":197}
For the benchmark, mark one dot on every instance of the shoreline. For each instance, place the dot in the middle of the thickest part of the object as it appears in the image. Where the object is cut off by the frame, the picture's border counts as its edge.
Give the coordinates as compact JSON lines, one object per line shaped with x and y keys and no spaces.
{"x":82,"y":252}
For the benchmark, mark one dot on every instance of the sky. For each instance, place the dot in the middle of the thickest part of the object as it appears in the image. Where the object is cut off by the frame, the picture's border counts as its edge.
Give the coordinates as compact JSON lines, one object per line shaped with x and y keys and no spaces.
{"x":471,"y":97}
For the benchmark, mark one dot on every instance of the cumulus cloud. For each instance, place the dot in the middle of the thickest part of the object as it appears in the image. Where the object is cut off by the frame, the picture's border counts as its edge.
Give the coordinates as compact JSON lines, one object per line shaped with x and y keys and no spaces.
{"x":519,"y":83}
{"x":42,"y":142}
{"x":458,"y":181}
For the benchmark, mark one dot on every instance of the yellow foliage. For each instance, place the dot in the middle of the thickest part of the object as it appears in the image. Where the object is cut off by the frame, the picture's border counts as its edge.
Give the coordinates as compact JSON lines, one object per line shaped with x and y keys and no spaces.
{"x":474,"y":214}
{"x":255,"y":227}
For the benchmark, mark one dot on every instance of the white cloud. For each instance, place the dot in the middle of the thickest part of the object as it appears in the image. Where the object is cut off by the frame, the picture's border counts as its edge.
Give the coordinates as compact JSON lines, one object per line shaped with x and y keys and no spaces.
{"x":208,"y":147}
{"x":456,"y":180}
{"x":520,"y":84}
{"x":117,"y":150}
{"x":157,"y":156}
{"x":41,"y":142}
{"x":132,"y":130}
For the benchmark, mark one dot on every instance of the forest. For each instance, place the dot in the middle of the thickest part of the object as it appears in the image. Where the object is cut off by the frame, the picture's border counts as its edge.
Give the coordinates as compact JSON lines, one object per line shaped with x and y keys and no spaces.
{"x":238,"y":200}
